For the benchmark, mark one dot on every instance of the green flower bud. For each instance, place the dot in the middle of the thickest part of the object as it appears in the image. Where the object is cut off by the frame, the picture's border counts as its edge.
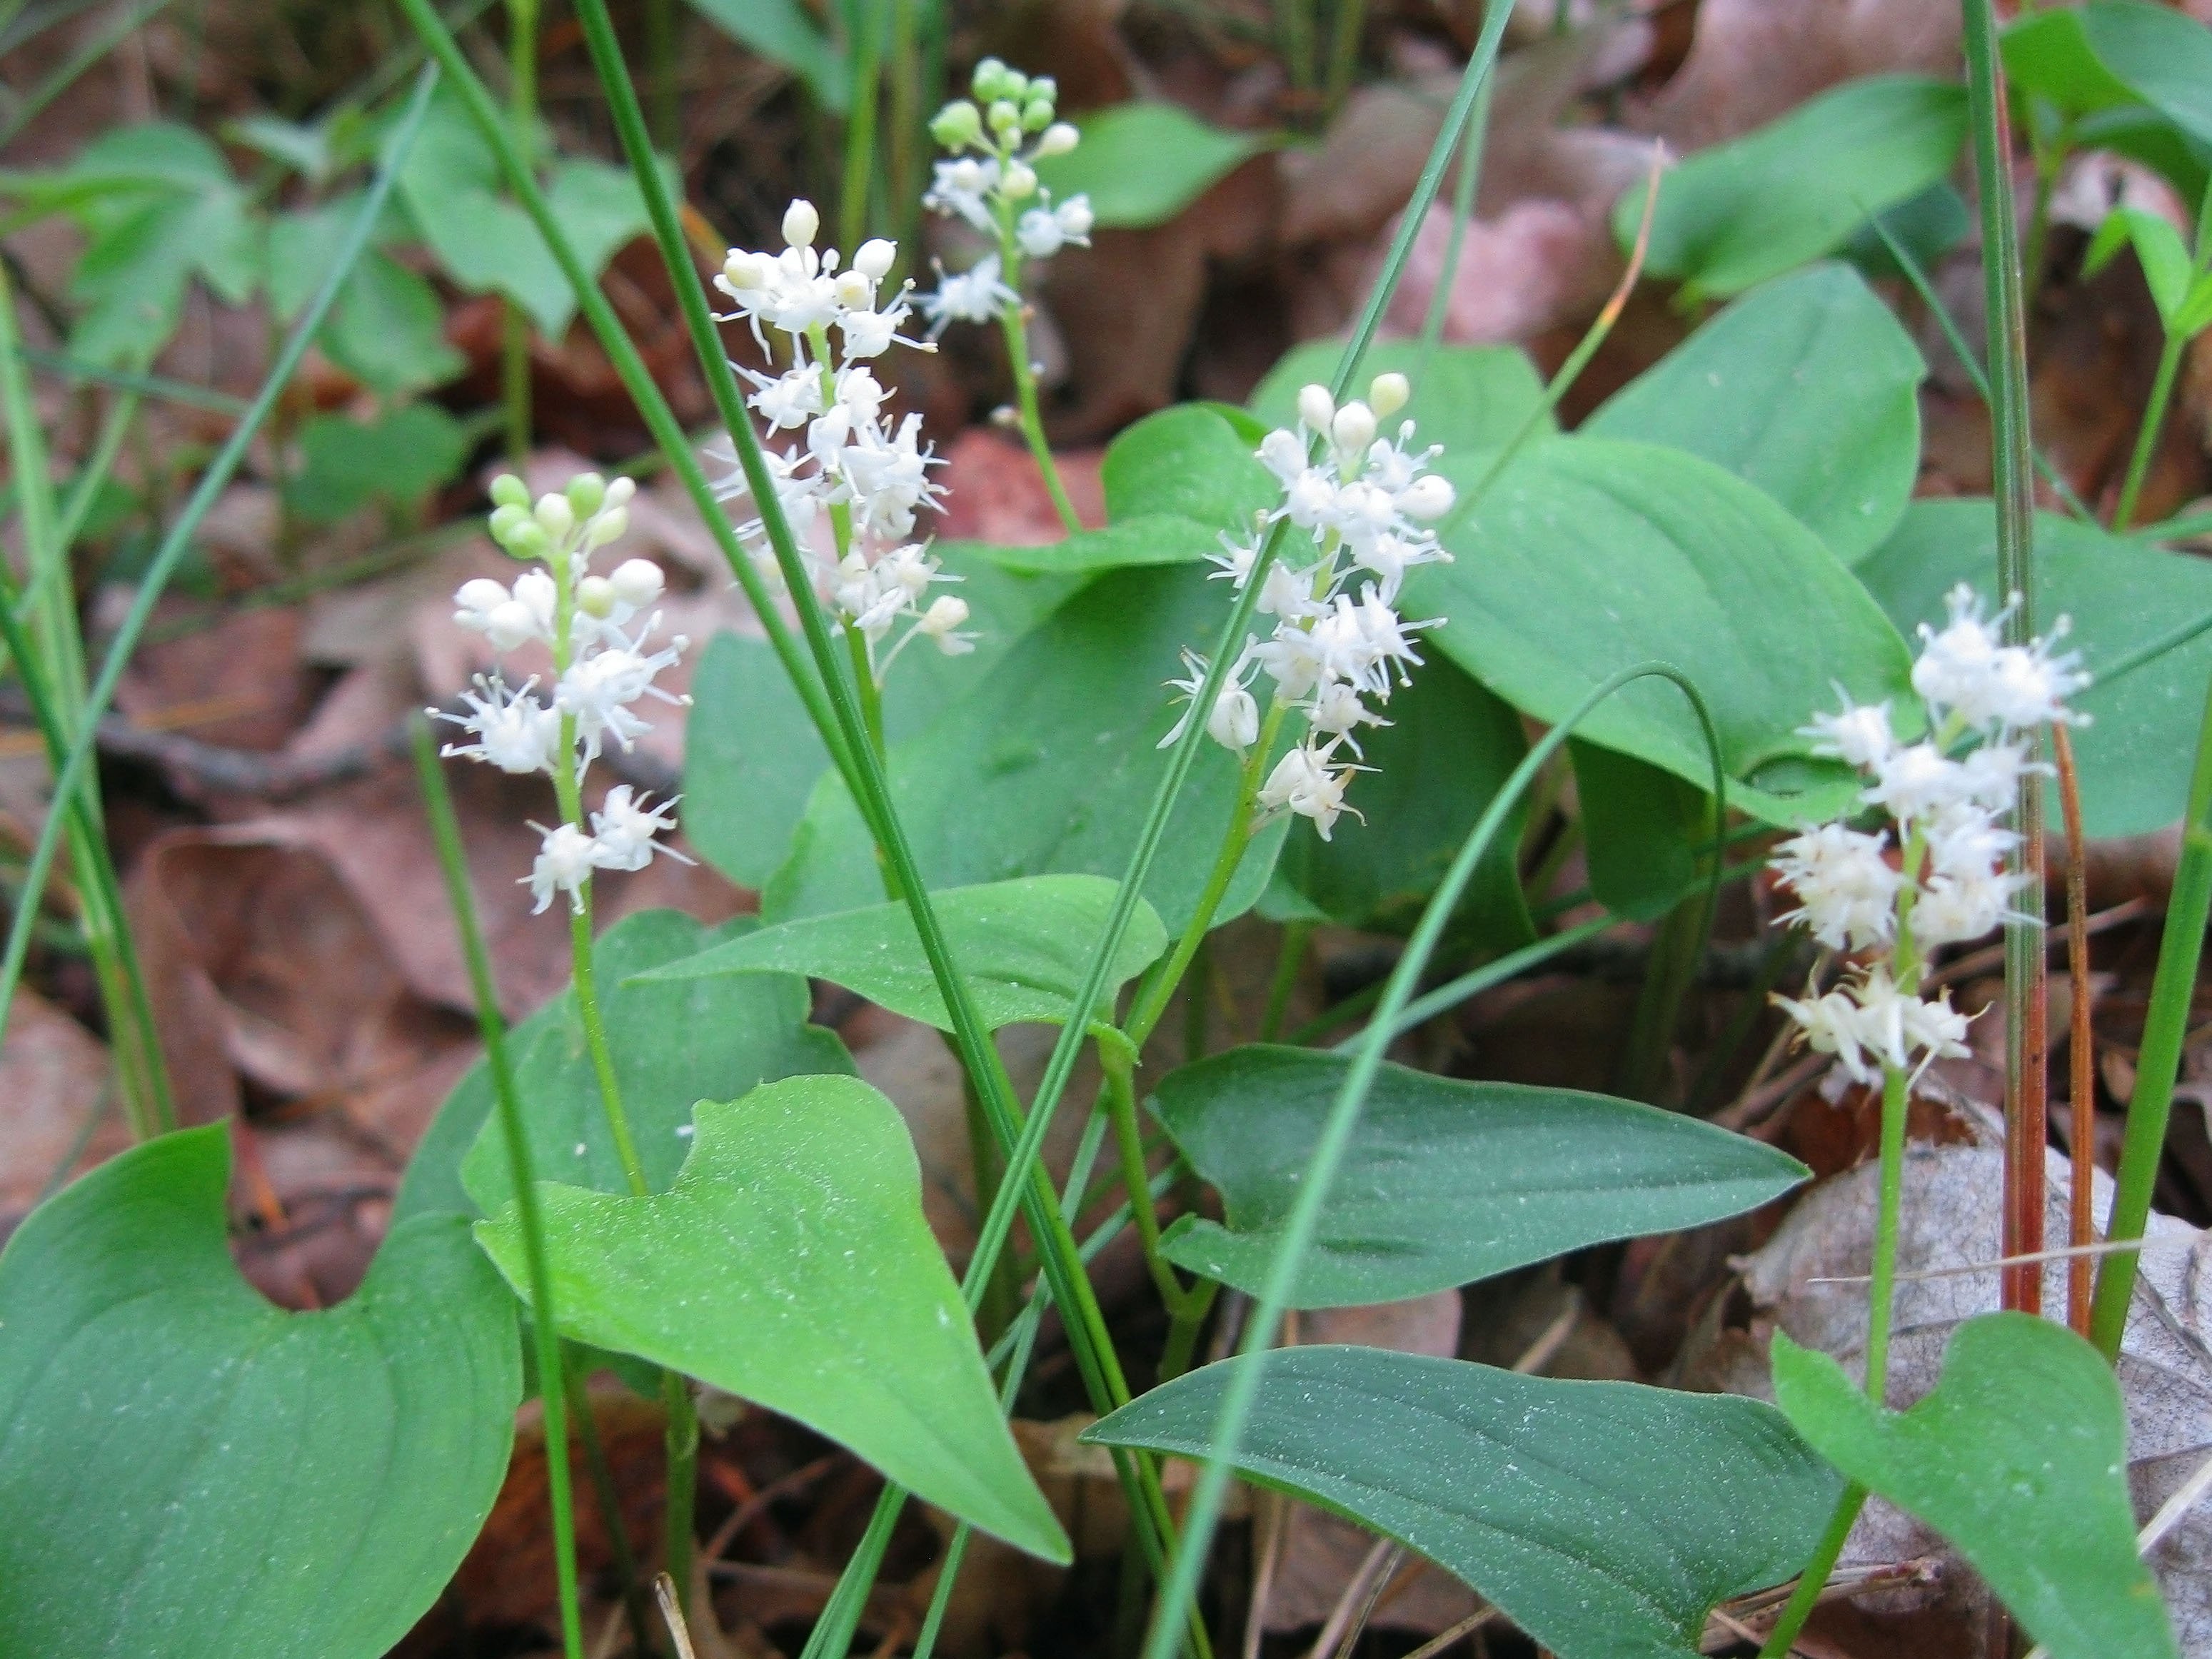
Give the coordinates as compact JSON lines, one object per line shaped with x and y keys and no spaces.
{"x":957,"y":125}
{"x":1043,"y":87}
{"x":586,"y":490}
{"x":1004,"y":117}
{"x":1036,"y":116}
{"x":507,"y":491}
{"x":990,"y":79}
{"x":555,"y":515}
{"x":527,"y":540}
{"x":595,"y":597}
{"x":508,"y":516}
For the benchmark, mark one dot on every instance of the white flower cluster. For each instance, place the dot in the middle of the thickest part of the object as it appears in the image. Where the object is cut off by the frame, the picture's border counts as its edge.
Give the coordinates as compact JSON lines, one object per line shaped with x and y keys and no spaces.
{"x":1008,"y":127}
{"x":867,"y":477}
{"x":1364,"y":507}
{"x":1934,"y":873}
{"x":602,"y":668}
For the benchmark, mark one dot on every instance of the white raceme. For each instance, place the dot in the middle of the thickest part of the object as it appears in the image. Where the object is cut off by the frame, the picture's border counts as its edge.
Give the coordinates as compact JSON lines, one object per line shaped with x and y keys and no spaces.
{"x":1935,"y":873}
{"x":598,"y":632}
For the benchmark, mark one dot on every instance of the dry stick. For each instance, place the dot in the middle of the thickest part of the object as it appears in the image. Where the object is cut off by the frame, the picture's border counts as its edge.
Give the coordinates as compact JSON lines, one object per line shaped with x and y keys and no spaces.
{"x":1467,"y":1626}
{"x":663,"y":1591}
{"x":2081,"y":1049}
{"x":1366,"y":1582}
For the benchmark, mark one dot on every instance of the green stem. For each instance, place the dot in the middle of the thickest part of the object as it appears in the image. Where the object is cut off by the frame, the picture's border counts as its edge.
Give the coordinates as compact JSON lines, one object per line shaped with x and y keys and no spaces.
{"x":2162,"y":394}
{"x":667,"y":110}
{"x":909,"y":137}
{"x":513,"y":325}
{"x":1242,"y":1392}
{"x":1814,"y":1578}
{"x":2026,"y":1129}
{"x":70,"y":777}
{"x":1464,"y":182}
{"x":1013,"y":322}
{"x":867,"y":89}
{"x":1159,"y":985}
{"x":1136,"y":1178}
{"x":680,"y":1448}
{"x":1289,"y":959}
{"x":1294,"y":18}
{"x":2166,"y":1028}
{"x":607,"y":1497}
{"x":1881,"y":1290}
{"x":1344,"y":51}
{"x":544,"y":1322}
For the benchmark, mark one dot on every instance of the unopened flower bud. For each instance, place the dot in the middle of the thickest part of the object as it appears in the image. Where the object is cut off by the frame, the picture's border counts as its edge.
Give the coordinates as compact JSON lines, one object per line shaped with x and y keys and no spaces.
{"x":1004,"y":116}
{"x":801,"y":224}
{"x":595,"y":597}
{"x":610,"y":525}
{"x":636,"y":582}
{"x":1427,"y":499}
{"x":507,"y":491}
{"x":875,"y":257}
{"x":944,"y":616}
{"x":1045,"y":87}
{"x":619,"y":492}
{"x":480,"y":596}
{"x":1018,"y":183}
{"x":527,"y":540}
{"x":1036,"y":115}
{"x":585,"y":492}
{"x":990,"y":78}
{"x":1353,"y":428}
{"x":507,"y":518}
{"x":957,"y":125}
{"x":1015,"y":88}
{"x":1059,"y":138}
{"x":853,"y":289}
{"x":554,"y":514}
{"x":1316,"y":407}
{"x":744,"y":270}
{"x":1388,"y":394}
{"x":510,"y":624}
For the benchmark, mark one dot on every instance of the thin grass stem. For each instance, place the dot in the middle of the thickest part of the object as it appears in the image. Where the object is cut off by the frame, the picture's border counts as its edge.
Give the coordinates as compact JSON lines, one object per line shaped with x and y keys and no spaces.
{"x":2080,"y":1044}
{"x":2154,"y":420}
{"x":513,"y":325}
{"x":69,"y":775}
{"x":866,"y":92}
{"x":544,"y":1321}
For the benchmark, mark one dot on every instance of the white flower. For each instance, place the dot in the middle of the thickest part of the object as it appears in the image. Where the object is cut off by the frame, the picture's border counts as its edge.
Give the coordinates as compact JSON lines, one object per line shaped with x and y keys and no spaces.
{"x":976,"y":296}
{"x":946,"y":614}
{"x":1306,"y":782}
{"x":1895,"y":1026}
{"x":1859,"y":736}
{"x":1966,"y":671}
{"x":1234,"y":722}
{"x":1950,"y":909}
{"x":623,"y":829}
{"x":1917,"y":781}
{"x":964,"y":187}
{"x":564,"y":864}
{"x":789,"y":399}
{"x":477,"y":601}
{"x":1831,"y":1026}
{"x":1846,"y":890}
{"x":513,"y":731}
{"x":600,"y":684}
{"x":1044,"y":231}
{"x":637,"y":583}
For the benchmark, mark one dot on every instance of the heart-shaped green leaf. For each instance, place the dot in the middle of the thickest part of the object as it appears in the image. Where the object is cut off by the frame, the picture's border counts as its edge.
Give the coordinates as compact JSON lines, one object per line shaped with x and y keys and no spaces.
{"x":185,"y":1468}
{"x":2130,"y":76}
{"x":2019,"y":1457}
{"x":1142,"y":163}
{"x":1049,"y":763}
{"x":1589,"y":555}
{"x":1444,"y":1181}
{"x":2141,"y":620}
{"x":1192,"y":462}
{"x":1806,"y":386}
{"x":673,"y":1045}
{"x":1736,"y":214}
{"x":1469,"y":398}
{"x":1606,"y":1519}
{"x":790,"y":1264}
{"x":1146,"y":538}
{"x":751,"y":757}
{"x":1023,"y":946}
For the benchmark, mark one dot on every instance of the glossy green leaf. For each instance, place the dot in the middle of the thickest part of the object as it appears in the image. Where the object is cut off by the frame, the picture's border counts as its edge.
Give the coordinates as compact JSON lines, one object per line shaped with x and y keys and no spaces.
{"x":450,"y":186}
{"x":1023,"y":947}
{"x":789,"y":1264}
{"x":1143,"y":163}
{"x":782,"y":32}
{"x":2141,"y":620}
{"x":1588,"y":555}
{"x":1148,"y":538}
{"x":2018,"y":1456}
{"x":1188,"y":462}
{"x":388,"y":329}
{"x":1605,"y":1519}
{"x":674,"y":1045}
{"x":1047,"y":765}
{"x":2111,"y":53}
{"x":1445,"y":1181}
{"x":2159,"y":250}
{"x":1807,"y":387}
{"x":397,"y":458}
{"x":189,"y":1470}
{"x":1467,"y":398}
{"x":751,"y":755}
{"x":1643,"y":829}
{"x":1741,"y":212}
{"x":1448,"y":750}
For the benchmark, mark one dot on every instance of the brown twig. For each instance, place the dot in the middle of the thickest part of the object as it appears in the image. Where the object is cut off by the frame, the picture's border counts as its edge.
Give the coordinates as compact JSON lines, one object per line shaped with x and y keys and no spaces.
{"x":2081,"y":1043}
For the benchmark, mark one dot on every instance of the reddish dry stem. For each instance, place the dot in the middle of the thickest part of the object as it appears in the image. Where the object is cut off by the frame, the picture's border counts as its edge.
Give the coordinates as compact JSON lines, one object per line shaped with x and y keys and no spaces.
{"x":2081,"y":1044}
{"x":2027,"y":1113}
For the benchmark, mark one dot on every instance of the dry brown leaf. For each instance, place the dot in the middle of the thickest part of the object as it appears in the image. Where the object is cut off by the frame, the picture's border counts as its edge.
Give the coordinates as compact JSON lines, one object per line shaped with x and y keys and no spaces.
{"x":61,"y":1121}
{"x":1951,"y":1220}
